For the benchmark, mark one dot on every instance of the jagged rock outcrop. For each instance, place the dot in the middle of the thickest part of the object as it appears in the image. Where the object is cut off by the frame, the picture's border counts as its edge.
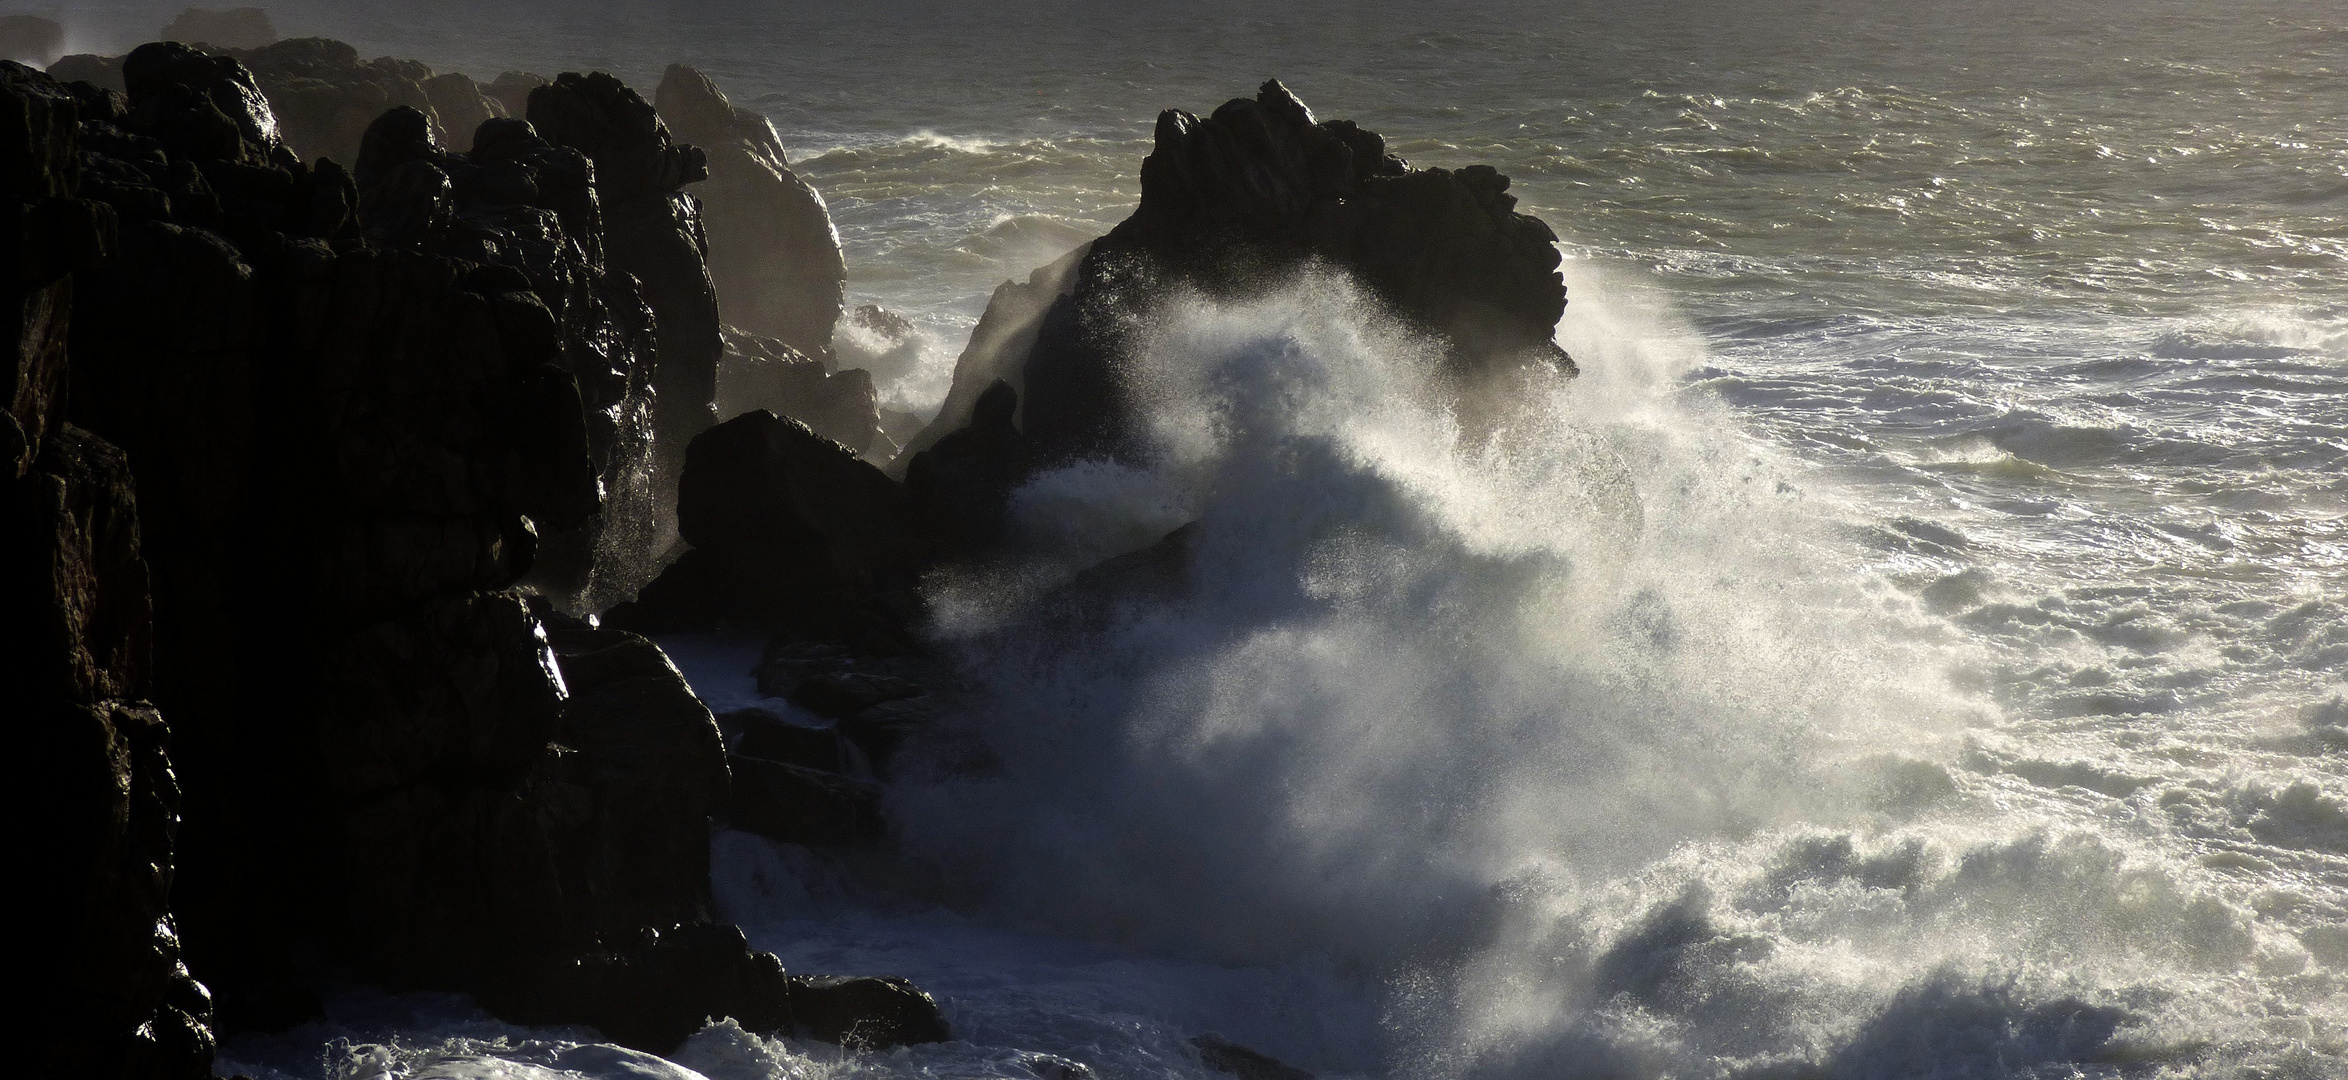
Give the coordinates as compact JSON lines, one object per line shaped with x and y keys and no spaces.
{"x":998,"y":348}
{"x":31,"y":39}
{"x":520,"y":202}
{"x":773,"y":254}
{"x":760,"y":372}
{"x":223,"y":28}
{"x":788,"y":529}
{"x":1232,"y":202}
{"x":325,"y":95}
{"x":90,"y":767}
{"x":349,"y":414}
{"x":651,"y":988}
{"x":349,"y":452}
{"x":653,"y":230}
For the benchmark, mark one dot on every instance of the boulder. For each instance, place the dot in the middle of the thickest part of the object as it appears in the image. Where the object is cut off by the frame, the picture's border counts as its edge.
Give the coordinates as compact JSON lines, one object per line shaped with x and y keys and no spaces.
{"x":760,"y":372}
{"x":225,"y":28}
{"x":867,"y":1012}
{"x":773,"y":254}
{"x":653,"y":230}
{"x":31,"y":39}
{"x":650,"y":755}
{"x":788,"y":529}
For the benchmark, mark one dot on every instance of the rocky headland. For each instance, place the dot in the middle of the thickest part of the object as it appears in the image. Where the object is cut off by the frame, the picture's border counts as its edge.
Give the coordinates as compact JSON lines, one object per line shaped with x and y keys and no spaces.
{"x":363,"y":423}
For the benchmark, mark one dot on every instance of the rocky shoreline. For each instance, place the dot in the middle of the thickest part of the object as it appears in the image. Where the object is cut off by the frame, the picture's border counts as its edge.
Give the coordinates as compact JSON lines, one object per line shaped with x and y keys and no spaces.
{"x":341,"y":501}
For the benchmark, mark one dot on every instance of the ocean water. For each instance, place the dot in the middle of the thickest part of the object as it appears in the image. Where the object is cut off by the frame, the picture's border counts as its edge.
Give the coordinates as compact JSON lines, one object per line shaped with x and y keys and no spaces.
{"x":1914,"y":648}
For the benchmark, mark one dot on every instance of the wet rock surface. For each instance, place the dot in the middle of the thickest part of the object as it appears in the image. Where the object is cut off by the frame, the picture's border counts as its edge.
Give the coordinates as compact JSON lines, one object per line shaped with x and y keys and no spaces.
{"x":652,"y":229}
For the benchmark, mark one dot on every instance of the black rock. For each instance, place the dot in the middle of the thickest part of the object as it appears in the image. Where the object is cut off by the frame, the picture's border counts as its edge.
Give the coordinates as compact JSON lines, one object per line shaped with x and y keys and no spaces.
{"x":1230,"y":1057}
{"x":1236,"y":201}
{"x":788,"y":530}
{"x":653,"y":230}
{"x":866,"y":1011}
{"x":764,"y":735}
{"x":798,"y":805}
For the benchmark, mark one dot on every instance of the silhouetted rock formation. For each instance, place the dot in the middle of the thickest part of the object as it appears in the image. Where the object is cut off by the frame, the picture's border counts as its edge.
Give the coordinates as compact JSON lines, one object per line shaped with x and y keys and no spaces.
{"x":1231,"y":203}
{"x":773,"y":253}
{"x":764,"y":373}
{"x":788,"y":529}
{"x":98,"y":805}
{"x":652,"y":988}
{"x":652,"y":229}
{"x":31,"y":39}
{"x":358,"y":414}
{"x":226,"y":28}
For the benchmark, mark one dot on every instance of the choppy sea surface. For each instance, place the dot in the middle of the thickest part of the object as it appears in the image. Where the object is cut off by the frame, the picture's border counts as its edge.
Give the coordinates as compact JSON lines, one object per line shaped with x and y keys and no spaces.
{"x":1964,"y":698}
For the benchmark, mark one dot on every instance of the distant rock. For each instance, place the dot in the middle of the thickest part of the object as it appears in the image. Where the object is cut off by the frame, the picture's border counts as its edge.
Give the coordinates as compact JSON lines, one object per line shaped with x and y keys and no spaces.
{"x":31,"y":39}
{"x":512,"y":90}
{"x":773,"y":253}
{"x":760,"y":372}
{"x":103,"y":72}
{"x":788,"y":529}
{"x":879,"y":341}
{"x":225,"y":28}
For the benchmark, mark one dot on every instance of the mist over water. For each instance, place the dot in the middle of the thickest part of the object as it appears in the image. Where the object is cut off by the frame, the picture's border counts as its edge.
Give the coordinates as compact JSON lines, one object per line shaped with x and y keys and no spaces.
{"x":1913,"y":648}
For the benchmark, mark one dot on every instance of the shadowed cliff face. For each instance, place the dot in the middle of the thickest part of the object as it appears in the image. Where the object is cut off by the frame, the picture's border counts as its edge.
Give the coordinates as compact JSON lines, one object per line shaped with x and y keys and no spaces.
{"x":99,"y":804}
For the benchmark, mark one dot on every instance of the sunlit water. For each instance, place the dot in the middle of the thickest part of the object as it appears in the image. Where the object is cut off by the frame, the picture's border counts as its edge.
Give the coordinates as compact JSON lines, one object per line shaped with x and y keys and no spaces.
{"x":1967,"y":701}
